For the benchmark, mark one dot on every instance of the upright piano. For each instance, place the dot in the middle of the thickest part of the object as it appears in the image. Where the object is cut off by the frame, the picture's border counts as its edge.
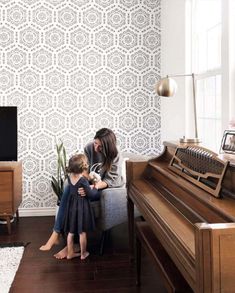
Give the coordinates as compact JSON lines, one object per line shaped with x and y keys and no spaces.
{"x":187,"y":197}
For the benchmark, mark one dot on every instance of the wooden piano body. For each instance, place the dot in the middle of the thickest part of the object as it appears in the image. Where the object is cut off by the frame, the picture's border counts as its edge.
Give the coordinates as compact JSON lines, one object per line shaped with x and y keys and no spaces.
{"x":196,"y":229}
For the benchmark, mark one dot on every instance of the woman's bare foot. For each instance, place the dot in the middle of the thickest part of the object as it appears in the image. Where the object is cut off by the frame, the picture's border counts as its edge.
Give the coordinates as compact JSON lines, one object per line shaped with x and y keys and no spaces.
{"x":63,"y":253}
{"x":73,"y":255}
{"x":54,"y":239}
{"x":84,"y":255}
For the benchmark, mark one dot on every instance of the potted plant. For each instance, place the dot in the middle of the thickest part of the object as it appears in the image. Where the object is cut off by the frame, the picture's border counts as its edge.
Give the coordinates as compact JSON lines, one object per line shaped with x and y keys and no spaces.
{"x":57,"y":182}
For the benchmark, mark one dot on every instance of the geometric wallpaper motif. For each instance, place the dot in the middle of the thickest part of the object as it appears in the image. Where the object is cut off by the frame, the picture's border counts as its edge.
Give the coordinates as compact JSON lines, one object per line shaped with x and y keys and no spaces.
{"x":72,"y":67}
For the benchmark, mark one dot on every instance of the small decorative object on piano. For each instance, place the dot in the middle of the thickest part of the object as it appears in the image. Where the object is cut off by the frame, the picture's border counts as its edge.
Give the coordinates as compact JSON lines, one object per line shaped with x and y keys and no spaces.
{"x":228,"y":142}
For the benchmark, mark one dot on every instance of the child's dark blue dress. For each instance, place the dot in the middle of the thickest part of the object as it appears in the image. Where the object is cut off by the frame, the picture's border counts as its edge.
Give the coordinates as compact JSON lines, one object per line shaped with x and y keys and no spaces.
{"x":79,"y":216}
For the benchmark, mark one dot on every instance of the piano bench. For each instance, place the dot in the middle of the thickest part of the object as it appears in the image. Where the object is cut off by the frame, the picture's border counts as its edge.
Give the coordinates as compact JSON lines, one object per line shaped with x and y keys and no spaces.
{"x":168,"y":272}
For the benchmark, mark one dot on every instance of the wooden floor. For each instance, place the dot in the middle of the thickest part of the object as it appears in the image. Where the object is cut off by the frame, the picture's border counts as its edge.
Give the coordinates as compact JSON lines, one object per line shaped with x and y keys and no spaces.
{"x":111,"y":273}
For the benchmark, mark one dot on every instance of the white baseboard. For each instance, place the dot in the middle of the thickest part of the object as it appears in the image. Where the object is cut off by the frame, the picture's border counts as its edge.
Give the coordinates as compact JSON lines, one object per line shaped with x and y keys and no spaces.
{"x":37,"y":212}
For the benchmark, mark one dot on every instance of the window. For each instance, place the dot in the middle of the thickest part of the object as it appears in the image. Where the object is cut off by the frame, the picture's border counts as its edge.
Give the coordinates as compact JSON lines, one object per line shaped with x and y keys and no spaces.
{"x":208,"y":67}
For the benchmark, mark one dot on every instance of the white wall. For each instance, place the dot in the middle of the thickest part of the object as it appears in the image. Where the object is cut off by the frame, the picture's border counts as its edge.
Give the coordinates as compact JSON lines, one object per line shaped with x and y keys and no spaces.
{"x":173,"y":62}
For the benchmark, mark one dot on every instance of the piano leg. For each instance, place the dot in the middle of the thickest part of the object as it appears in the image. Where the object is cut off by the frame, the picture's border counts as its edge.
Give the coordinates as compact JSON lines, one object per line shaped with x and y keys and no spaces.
{"x":138,"y":261}
{"x":130,"y":208}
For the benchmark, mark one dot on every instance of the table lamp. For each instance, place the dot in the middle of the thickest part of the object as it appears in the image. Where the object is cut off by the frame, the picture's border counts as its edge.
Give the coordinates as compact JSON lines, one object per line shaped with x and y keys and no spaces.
{"x":167,"y":87}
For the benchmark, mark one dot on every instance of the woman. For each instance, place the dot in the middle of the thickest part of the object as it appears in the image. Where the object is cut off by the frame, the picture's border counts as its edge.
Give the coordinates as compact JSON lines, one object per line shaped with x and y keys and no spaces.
{"x":103,"y":158}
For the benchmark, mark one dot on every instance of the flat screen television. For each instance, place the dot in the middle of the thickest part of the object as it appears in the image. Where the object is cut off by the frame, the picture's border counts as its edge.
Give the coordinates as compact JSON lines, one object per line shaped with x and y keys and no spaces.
{"x":8,"y":133}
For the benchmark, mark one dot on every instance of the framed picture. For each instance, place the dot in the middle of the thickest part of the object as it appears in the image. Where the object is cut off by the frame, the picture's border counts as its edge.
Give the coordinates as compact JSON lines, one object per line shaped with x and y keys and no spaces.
{"x":228,"y":142}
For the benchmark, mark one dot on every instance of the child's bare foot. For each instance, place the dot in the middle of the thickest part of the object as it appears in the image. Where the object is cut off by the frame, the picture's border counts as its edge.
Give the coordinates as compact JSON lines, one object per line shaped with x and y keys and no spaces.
{"x":84,"y":255}
{"x":62,"y":253}
{"x":73,"y":255}
{"x":54,"y":239}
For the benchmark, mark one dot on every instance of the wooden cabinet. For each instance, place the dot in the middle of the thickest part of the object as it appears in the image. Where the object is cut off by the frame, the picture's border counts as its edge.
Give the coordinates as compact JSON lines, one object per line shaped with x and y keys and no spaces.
{"x":10,"y":190}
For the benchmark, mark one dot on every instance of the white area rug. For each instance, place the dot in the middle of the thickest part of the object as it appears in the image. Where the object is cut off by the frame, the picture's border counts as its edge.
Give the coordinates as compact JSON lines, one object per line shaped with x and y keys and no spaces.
{"x":9,"y":262}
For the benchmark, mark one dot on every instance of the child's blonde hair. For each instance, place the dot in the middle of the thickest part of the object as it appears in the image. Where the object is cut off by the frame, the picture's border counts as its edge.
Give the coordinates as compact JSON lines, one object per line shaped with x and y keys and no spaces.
{"x":77,"y":164}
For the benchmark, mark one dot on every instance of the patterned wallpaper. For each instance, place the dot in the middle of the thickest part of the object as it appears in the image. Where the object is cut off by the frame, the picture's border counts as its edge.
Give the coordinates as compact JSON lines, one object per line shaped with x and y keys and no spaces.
{"x":73,"y":67}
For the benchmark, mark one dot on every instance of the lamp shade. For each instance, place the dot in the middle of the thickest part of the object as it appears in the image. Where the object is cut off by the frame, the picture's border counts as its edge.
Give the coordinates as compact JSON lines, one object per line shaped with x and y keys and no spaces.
{"x":166,"y":87}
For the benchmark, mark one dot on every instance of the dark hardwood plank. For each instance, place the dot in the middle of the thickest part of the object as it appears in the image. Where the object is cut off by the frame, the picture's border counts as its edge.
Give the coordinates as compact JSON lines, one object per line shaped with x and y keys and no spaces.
{"x":41,"y":272}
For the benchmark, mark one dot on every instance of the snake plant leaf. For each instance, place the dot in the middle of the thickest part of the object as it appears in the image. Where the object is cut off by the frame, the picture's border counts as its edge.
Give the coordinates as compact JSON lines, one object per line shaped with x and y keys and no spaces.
{"x":55,"y":186}
{"x":57,"y":182}
{"x":60,"y":146}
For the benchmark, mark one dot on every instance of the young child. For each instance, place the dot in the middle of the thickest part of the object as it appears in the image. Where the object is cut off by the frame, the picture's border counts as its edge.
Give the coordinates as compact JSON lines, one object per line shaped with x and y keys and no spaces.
{"x":79,"y":218}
